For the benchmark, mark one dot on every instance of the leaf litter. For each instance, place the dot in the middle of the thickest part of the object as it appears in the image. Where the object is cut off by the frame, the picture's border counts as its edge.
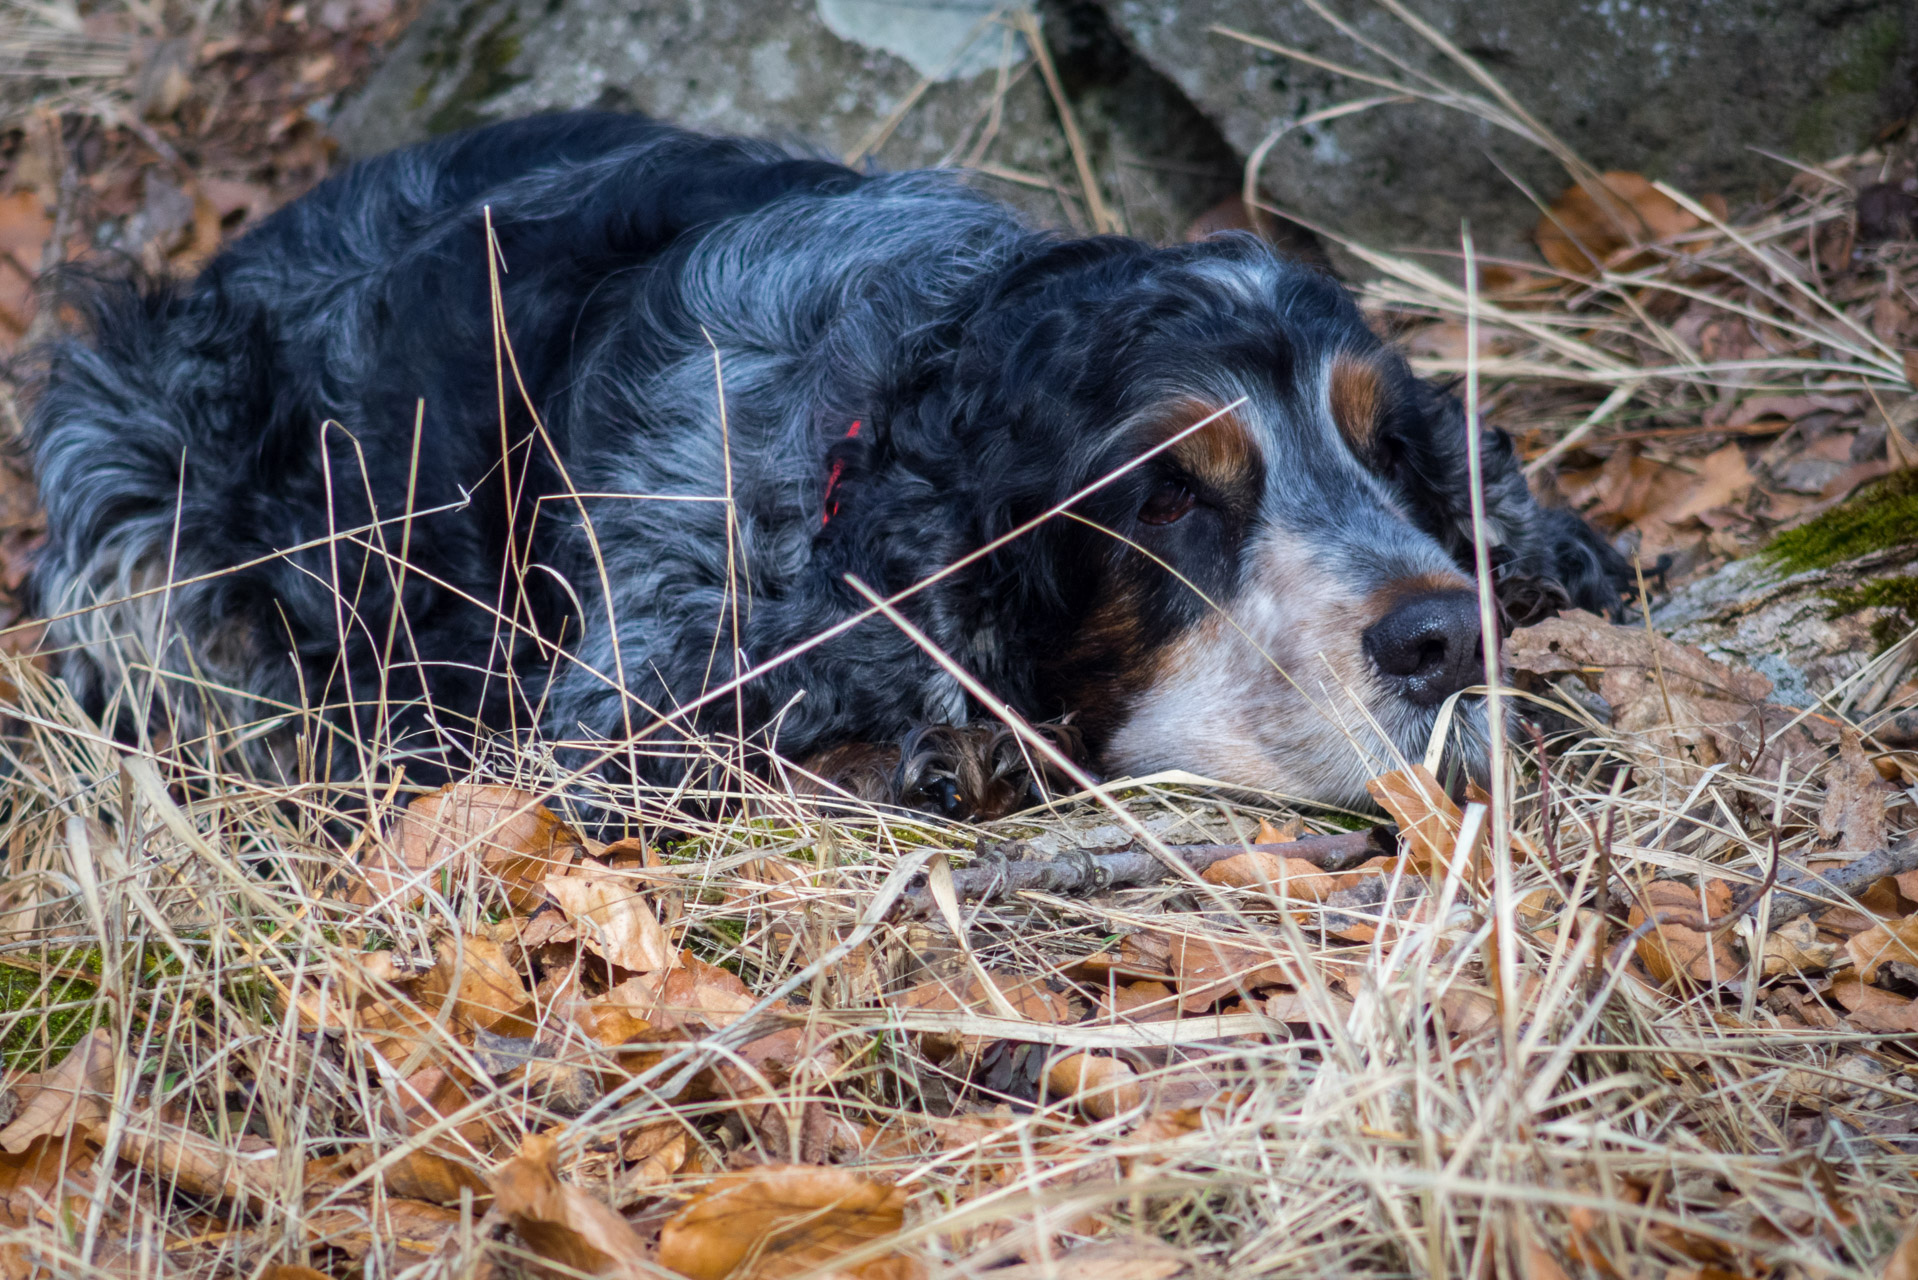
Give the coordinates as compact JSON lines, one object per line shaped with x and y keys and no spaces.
{"x":474,"y":1041}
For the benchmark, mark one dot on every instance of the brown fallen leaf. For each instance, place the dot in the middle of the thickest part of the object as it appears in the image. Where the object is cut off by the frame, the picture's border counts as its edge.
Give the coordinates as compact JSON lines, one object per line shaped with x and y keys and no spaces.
{"x":1209,"y":970}
{"x":426,"y":1175}
{"x":45,"y":1178}
{"x":244,"y":1171}
{"x":786,"y":1220}
{"x":692,"y":996}
{"x":563,"y":1224}
{"x":25,"y":226}
{"x":1142,"y":1001}
{"x":1723,"y":478}
{"x":654,"y":1153}
{"x":1429,"y":822}
{"x":1333,"y":1010}
{"x":613,"y":918}
{"x":1888,"y":940}
{"x":1673,"y":947}
{"x":1030,"y":998}
{"x":1797,"y":947}
{"x":1103,"y":1086}
{"x":513,"y":837}
{"x":474,"y":973}
{"x":415,"y":1231}
{"x":1853,"y":816}
{"x":1269,"y":834}
{"x":1682,"y":705}
{"x":76,"y":1093}
{"x":1292,"y":878}
{"x":291,"y":1271}
{"x":1586,"y":229}
{"x":1871,"y":1008}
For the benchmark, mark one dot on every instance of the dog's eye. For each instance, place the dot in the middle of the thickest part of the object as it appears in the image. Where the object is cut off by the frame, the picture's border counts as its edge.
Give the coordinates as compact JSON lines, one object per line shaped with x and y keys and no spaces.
{"x":1169,"y":503}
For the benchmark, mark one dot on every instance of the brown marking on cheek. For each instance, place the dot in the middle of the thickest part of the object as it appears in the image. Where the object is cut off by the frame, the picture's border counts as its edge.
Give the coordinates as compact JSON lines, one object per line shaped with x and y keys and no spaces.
{"x":1357,"y":396}
{"x":1222,"y":454}
{"x":1386,"y":598}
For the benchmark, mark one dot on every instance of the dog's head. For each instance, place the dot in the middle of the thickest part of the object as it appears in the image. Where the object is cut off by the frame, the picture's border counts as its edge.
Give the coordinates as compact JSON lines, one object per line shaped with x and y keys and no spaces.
{"x":1281,"y":592}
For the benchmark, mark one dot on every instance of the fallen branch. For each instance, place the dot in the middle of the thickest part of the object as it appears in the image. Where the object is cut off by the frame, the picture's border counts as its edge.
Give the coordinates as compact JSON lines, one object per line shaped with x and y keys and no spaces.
{"x":1003,"y":870}
{"x":1849,"y":880}
{"x":1832,"y":885}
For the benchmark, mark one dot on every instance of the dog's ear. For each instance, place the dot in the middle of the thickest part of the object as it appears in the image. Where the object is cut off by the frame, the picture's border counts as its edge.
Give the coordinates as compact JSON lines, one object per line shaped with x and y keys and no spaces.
{"x":1543,"y":559}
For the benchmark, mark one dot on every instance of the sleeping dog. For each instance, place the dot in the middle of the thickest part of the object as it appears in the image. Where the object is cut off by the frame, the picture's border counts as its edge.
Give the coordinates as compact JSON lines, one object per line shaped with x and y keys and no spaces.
{"x":583,"y":430}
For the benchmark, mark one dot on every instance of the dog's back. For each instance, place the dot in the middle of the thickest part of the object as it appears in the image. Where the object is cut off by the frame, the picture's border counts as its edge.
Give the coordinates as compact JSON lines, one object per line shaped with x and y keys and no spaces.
{"x":266,"y":437}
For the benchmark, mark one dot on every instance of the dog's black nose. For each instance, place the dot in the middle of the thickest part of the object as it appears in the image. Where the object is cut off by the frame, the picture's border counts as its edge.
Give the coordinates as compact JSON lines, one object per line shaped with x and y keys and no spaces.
{"x":1428,"y":646}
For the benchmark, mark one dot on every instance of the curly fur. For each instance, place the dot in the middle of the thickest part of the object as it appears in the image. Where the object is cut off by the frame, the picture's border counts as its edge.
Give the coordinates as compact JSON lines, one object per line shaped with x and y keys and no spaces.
{"x":311,"y":478}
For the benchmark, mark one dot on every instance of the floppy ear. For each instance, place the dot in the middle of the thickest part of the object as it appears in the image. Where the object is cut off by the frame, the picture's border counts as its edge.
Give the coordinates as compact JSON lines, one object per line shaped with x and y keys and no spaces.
{"x":1543,"y":559}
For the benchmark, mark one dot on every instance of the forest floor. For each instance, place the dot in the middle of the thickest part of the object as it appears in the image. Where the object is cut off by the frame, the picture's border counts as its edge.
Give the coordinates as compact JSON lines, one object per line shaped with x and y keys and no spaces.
{"x":1648,"y":1012}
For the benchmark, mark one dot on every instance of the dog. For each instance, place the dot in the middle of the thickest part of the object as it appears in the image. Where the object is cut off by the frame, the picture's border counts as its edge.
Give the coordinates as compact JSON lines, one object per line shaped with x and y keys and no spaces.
{"x":587,"y":431}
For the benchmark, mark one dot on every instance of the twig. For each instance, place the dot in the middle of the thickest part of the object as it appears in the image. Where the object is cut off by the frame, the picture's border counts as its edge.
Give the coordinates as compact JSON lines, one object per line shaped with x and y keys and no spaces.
{"x":1852,"y":878}
{"x":1000,"y":871}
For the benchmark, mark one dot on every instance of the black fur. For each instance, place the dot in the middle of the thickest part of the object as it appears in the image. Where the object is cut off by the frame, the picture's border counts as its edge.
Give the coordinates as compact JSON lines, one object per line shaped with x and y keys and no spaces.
{"x":260,"y":420}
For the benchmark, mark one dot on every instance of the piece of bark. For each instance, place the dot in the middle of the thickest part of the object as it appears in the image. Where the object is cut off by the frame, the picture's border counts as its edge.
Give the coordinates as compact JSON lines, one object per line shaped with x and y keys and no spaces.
{"x":1000,"y":873}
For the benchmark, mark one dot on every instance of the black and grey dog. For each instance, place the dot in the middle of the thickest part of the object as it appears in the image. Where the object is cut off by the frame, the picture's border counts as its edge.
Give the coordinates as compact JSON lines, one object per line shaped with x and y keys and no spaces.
{"x":563,"y":490}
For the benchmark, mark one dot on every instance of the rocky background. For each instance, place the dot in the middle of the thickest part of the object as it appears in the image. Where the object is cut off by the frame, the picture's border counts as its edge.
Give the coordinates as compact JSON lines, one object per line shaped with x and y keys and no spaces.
{"x":1169,"y":107}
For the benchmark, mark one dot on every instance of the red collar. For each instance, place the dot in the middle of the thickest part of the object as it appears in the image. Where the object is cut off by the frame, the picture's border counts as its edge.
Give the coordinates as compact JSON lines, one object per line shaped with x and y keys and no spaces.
{"x":832,"y":478}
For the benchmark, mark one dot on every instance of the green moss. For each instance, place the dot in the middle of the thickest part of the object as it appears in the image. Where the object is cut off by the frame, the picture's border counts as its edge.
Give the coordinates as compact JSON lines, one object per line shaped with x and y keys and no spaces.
{"x":45,"y":1016}
{"x":1885,"y":515}
{"x":1898,"y":596}
{"x":486,"y":77}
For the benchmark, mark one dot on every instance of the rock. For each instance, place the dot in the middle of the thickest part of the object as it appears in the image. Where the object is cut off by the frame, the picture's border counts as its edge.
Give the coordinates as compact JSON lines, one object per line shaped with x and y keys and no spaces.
{"x":1807,"y":631}
{"x":906,"y":83}
{"x":1680,"y":90}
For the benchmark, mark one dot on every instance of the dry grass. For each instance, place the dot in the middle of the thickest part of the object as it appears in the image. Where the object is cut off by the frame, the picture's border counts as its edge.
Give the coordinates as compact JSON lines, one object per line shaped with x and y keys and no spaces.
{"x":1481,"y":1079}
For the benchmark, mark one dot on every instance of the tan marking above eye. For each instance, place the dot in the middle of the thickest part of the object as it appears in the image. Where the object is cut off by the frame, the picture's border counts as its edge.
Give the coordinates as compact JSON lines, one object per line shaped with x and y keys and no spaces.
{"x":1221,"y":454}
{"x":1357,"y":396}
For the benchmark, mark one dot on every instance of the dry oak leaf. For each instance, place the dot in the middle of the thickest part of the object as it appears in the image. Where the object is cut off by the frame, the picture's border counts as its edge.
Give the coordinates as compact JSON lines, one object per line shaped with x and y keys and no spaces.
{"x":1683,"y":703}
{"x":1268,"y":872}
{"x":1103,"y":1086}
{"x":1429,"y":822}
{"x":692,"y":996}
{"x":1330,"y":1010}
{"x":74,"y":1094}
{"x":1673,"y":947}
{"x":423,"y":1174}
{"x":786,"y":1220}
{"x":512,"y":835}
{"x":1723,"y":478}
{"x":612,"y":917}
{"x":413,"y":1229}
{"x":563,"y":1224}
{"x":1853,"y":815}
{"x":42,"y":1180}
{"x":655,"y":1152}
{"x":1888,"y":940}
{"x":1143,"y":1001}
{"x":245,"y":1171}
{"x":1209,"y":970}
{"x":1797,"y":947}
{"x":1585,"y":229}
{"x":475,"y":974}
{"x":1870,"y":1008}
